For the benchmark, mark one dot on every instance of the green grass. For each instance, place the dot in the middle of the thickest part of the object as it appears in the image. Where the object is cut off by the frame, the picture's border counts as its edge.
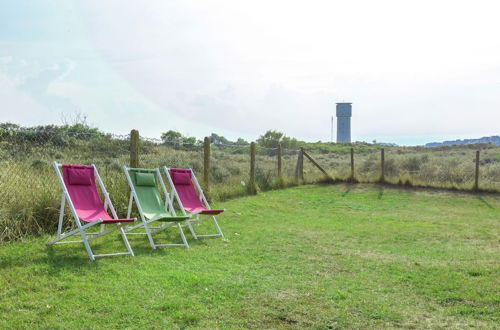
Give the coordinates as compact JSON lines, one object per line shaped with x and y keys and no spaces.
{"x":325,"y":257}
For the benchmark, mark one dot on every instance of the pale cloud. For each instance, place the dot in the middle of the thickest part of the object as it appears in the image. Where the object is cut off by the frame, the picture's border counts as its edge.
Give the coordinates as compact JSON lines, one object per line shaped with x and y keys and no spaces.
{"x":239,"y":68}
{"x":19,"y":107}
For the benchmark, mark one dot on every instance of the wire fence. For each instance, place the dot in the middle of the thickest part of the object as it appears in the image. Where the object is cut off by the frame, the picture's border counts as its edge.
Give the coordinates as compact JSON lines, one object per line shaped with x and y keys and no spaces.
{"x":451,"y":168}
{"x":30,"y":191}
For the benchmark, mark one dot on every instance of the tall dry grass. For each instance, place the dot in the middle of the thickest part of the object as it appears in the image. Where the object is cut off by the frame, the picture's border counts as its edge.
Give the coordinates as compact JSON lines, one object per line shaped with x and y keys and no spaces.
{"x":31,"y":194}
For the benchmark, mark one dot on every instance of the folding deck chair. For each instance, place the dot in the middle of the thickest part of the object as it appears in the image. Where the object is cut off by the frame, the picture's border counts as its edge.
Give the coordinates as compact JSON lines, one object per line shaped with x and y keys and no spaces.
{"x":79,"y":190}
{"x":183,"y":182}
{"x":144,"y":191}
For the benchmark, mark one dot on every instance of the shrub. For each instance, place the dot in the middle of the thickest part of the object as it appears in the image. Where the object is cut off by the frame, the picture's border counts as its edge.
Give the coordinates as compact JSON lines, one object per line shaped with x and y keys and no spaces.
{"x":412,"y":164}
{"x":219,"y":173}
{"x":264,"y":178}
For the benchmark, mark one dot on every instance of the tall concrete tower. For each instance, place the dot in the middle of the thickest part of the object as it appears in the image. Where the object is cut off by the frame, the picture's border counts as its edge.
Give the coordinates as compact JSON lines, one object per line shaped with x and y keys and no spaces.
{"x":344,"y":113}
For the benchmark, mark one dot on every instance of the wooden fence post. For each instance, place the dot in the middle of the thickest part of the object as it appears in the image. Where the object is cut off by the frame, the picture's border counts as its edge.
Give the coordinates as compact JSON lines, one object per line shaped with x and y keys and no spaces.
{"x":352,"y":165}
{"x":301,"y":164}
{"x":299,"y":168}
{"x":252,"y":187}
{"x":279,"y":162}
{"x":382,"y":165}
{"x":476,"y":177}
{"x":206,"y":164}
{"x":134,"y":148}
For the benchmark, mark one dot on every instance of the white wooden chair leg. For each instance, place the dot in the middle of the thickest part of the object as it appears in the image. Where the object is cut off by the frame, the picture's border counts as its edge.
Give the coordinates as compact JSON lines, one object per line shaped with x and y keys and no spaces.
{"x":217,"y":227}
{"x":61,"y":215}
{"x":150,"y":236}
{"x":130,"y":200}
{"x":86,"y":244}
{"x":191,"y":229}
{"x":182,"y":235}
{"x":126,"y":242}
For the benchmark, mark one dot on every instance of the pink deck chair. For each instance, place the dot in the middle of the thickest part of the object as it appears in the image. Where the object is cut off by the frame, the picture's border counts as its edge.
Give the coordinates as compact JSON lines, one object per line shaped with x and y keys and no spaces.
{"x":190,"y":197}
{"x":79,"y":190}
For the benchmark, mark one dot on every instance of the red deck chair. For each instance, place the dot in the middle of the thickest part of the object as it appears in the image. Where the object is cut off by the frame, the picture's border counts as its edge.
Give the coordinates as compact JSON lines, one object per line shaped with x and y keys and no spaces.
{"x":79,"y":190}
{"x":189,"y":196}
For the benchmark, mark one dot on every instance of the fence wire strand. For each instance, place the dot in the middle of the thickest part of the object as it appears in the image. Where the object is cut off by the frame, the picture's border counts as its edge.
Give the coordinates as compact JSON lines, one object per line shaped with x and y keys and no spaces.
{"x":30,"y":191}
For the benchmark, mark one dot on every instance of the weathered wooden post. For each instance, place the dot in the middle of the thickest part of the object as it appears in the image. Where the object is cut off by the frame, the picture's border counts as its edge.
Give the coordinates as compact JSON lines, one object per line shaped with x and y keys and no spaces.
{"x":134,"y":148}
{"x":279,"y":162}
{"x":382,"y":165}
{"x":297,"y":166}
{"x":352,"y":164}
{"x":301,"y":169}
{"x":476,"y":177}
{"x":206,"y":164}
{"x":252,"y":187}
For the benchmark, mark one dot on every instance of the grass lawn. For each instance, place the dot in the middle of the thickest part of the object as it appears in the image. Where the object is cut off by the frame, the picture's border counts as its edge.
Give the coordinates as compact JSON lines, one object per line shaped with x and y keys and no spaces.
{"x":329,"y":256}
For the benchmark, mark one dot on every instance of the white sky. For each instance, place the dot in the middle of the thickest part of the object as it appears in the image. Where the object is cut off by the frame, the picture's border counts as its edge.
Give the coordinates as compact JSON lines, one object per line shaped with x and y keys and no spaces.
{"x":416,"y":71}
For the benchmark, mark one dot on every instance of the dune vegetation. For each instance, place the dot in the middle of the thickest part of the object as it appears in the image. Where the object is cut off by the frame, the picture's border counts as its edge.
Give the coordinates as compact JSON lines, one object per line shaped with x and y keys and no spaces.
{"x":30,"y":191}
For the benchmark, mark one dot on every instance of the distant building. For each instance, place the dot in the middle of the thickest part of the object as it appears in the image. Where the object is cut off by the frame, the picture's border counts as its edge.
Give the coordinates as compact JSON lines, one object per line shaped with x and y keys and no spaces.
{"x":344,"y":113}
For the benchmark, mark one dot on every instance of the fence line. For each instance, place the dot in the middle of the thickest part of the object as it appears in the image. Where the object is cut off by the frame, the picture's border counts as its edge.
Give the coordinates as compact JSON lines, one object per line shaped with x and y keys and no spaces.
{"x":30,"y":192}
{"x":135,"y":138}
{"x":299,"y":168}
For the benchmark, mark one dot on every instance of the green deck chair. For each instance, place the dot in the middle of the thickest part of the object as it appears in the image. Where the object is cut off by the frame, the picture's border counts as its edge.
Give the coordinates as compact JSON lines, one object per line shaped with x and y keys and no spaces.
{"x":146,"y":195}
